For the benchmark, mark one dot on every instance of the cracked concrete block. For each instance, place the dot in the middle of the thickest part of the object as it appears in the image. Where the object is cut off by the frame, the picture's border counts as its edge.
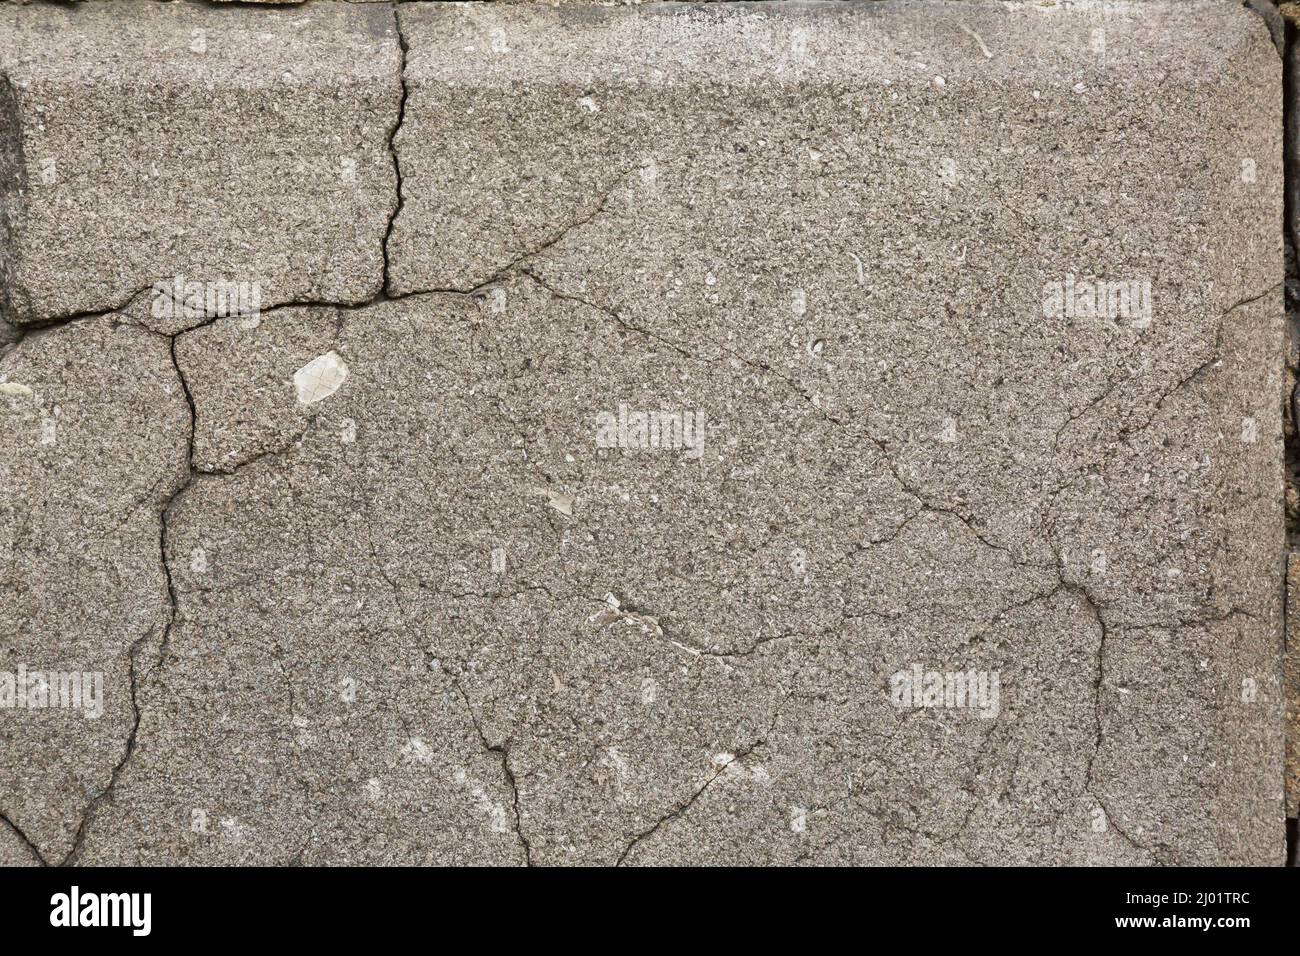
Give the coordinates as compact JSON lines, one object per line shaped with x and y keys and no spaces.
{"x":377,"y":651}
{"x":245,"y":403}
{"x":155,"y":140}
{"x":92,"y":442}
{"x":790,"y":227}
{"x":748,"y":372}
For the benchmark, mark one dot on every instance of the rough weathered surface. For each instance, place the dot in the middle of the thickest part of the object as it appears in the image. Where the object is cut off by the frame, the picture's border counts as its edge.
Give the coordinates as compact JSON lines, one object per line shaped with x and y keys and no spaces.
{"x":414,"y":611}
{"x":92,"y":442}
{"x":157,"y":139}
{"x":1291,"y":673}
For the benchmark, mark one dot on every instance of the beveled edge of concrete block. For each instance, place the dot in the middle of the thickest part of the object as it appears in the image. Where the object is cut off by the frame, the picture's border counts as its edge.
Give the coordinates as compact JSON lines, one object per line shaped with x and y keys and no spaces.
{"x":147,"y":45}
{"x":145,"y":42}
{"x":751,"y":41}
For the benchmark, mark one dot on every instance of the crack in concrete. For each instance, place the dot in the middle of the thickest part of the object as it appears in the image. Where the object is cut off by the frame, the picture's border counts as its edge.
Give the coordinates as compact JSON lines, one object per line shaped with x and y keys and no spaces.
{"x":1086,"y":597}
{"x":164,"y":526}
{"x":229,"y":471}
{"x":514,"y":267}
{"x":504,"y":752}
{"x":32,"y":848}
{"x":386,"y":281}
{"x":501,"y":751}
{"x":753,"y":648}
{"x":791,"y":383}
{"x":689,"y":802}
{"x":25,"y":329}
{"x":1184,"y":381}
{"x":517,"y":267}
{"x":1130,"y":430}
{"x":756,"y":364}
{"x":1112,"y":383}
{"x":88,"y":815}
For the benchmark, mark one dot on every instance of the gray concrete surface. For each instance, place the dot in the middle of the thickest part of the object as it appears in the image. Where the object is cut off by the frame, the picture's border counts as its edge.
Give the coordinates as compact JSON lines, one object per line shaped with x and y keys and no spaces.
{"x":155,"y":140}
{"x":94,"y":441}
{"x":368,"y":583}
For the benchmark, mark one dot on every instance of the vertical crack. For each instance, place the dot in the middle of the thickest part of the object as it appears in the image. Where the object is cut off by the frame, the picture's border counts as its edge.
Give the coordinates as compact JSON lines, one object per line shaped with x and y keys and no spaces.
{"x":88,"y":815}
{"x":1081,"y":591}
{"x":164,"y":518}
{"x":164,"y":527}
{"x":32,"y":848}
{"x":503,"y":752}
{"x":1099,"y":681}
{"x":392,"y":148}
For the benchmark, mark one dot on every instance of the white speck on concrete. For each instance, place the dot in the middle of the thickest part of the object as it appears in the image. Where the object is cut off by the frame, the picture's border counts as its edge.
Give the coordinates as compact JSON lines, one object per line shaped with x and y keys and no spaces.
{"x":494,"y":811}
{"x":233,"y":830}
{"x":649,"y":691}
{"x":320,"y":378}
{"x":496,"y":299}
{"x":558,"y":500}
{"x":417,"y":751}
{"x":988,"y":55}
{"x":613,"y":612}
{"x":862,"y":278}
